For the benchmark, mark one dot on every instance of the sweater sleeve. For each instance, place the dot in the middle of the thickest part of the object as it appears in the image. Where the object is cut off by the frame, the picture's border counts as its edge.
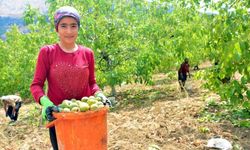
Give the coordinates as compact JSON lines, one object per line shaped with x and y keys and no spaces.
{"x":41,"y":71}
{"x":92,"y":80}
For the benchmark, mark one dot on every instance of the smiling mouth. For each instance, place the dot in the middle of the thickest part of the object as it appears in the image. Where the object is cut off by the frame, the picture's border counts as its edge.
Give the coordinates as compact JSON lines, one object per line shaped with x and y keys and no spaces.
{"x":69,"y":37}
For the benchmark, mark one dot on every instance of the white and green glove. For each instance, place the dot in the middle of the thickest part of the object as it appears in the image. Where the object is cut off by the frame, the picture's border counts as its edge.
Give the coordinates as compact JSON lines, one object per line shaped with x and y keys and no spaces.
{"x":104,"y":99}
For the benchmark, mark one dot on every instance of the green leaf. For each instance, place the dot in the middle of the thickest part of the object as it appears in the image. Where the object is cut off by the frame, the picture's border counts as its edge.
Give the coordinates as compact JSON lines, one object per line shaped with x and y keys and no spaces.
{"x":246,"y":105}
{"x":243,"y":123}
{"x":248,"y":94}
{"x":244,"y":80}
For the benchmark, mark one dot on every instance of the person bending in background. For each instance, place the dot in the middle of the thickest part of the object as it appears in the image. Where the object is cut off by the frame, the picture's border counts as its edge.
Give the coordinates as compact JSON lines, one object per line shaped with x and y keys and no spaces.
{"x":67,"y":67}
{"x":182,"y":73}
{"x":217,"y":69}
{"x":11,"y":104}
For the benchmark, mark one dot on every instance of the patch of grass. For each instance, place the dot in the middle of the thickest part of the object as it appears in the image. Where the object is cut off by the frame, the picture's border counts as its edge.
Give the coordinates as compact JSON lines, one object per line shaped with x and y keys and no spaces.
{"x":138,"y":98}
{"x":32,"y":115}
{"x":216,"y":112}
{"x":204,"y":129}
{"x":240,"y":117}
{"x":212,"y":103}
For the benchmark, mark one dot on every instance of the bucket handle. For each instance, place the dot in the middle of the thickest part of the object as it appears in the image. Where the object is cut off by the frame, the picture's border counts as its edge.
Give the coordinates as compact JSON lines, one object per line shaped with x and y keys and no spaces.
{"x":52,"y":123}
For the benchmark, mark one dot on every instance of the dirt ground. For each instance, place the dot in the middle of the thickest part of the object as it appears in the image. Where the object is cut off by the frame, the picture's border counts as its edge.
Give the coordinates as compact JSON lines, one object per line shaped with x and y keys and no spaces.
{"x":157,"y":115}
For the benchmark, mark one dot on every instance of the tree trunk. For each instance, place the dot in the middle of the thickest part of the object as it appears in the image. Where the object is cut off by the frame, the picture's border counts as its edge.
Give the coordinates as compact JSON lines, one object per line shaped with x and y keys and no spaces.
{"x":113,"y":91}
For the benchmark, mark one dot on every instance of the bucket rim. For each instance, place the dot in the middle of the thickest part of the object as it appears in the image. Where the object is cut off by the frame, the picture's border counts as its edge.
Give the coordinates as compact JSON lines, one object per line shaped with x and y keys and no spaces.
{"x":76,"y":115}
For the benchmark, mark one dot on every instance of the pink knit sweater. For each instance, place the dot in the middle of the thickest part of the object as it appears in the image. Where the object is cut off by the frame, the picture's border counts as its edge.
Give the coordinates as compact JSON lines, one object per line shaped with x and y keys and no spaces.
{"x":69,"y":75}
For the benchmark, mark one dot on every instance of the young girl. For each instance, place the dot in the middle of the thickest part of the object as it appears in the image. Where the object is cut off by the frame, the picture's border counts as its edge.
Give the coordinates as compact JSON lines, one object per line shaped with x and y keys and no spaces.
{"x":67,"y":67}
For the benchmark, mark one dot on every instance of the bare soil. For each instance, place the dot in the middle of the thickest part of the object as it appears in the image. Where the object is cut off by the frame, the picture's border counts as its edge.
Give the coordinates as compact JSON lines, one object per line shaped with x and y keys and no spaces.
{"x":158,"y":115}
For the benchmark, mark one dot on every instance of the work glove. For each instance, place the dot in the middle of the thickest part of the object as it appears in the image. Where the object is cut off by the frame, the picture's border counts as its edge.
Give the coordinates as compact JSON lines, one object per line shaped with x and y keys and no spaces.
{"x":49,"y":112}
{"x":104,"y":99}
{"x":45,"y":102}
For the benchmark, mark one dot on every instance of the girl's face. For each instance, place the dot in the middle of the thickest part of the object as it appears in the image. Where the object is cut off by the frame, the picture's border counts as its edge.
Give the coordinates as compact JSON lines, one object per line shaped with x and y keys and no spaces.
{"x":67,"y":30}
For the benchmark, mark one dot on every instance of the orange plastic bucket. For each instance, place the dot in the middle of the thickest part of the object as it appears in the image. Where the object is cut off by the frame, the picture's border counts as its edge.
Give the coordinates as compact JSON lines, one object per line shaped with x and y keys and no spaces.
{"x":81,"y":130}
